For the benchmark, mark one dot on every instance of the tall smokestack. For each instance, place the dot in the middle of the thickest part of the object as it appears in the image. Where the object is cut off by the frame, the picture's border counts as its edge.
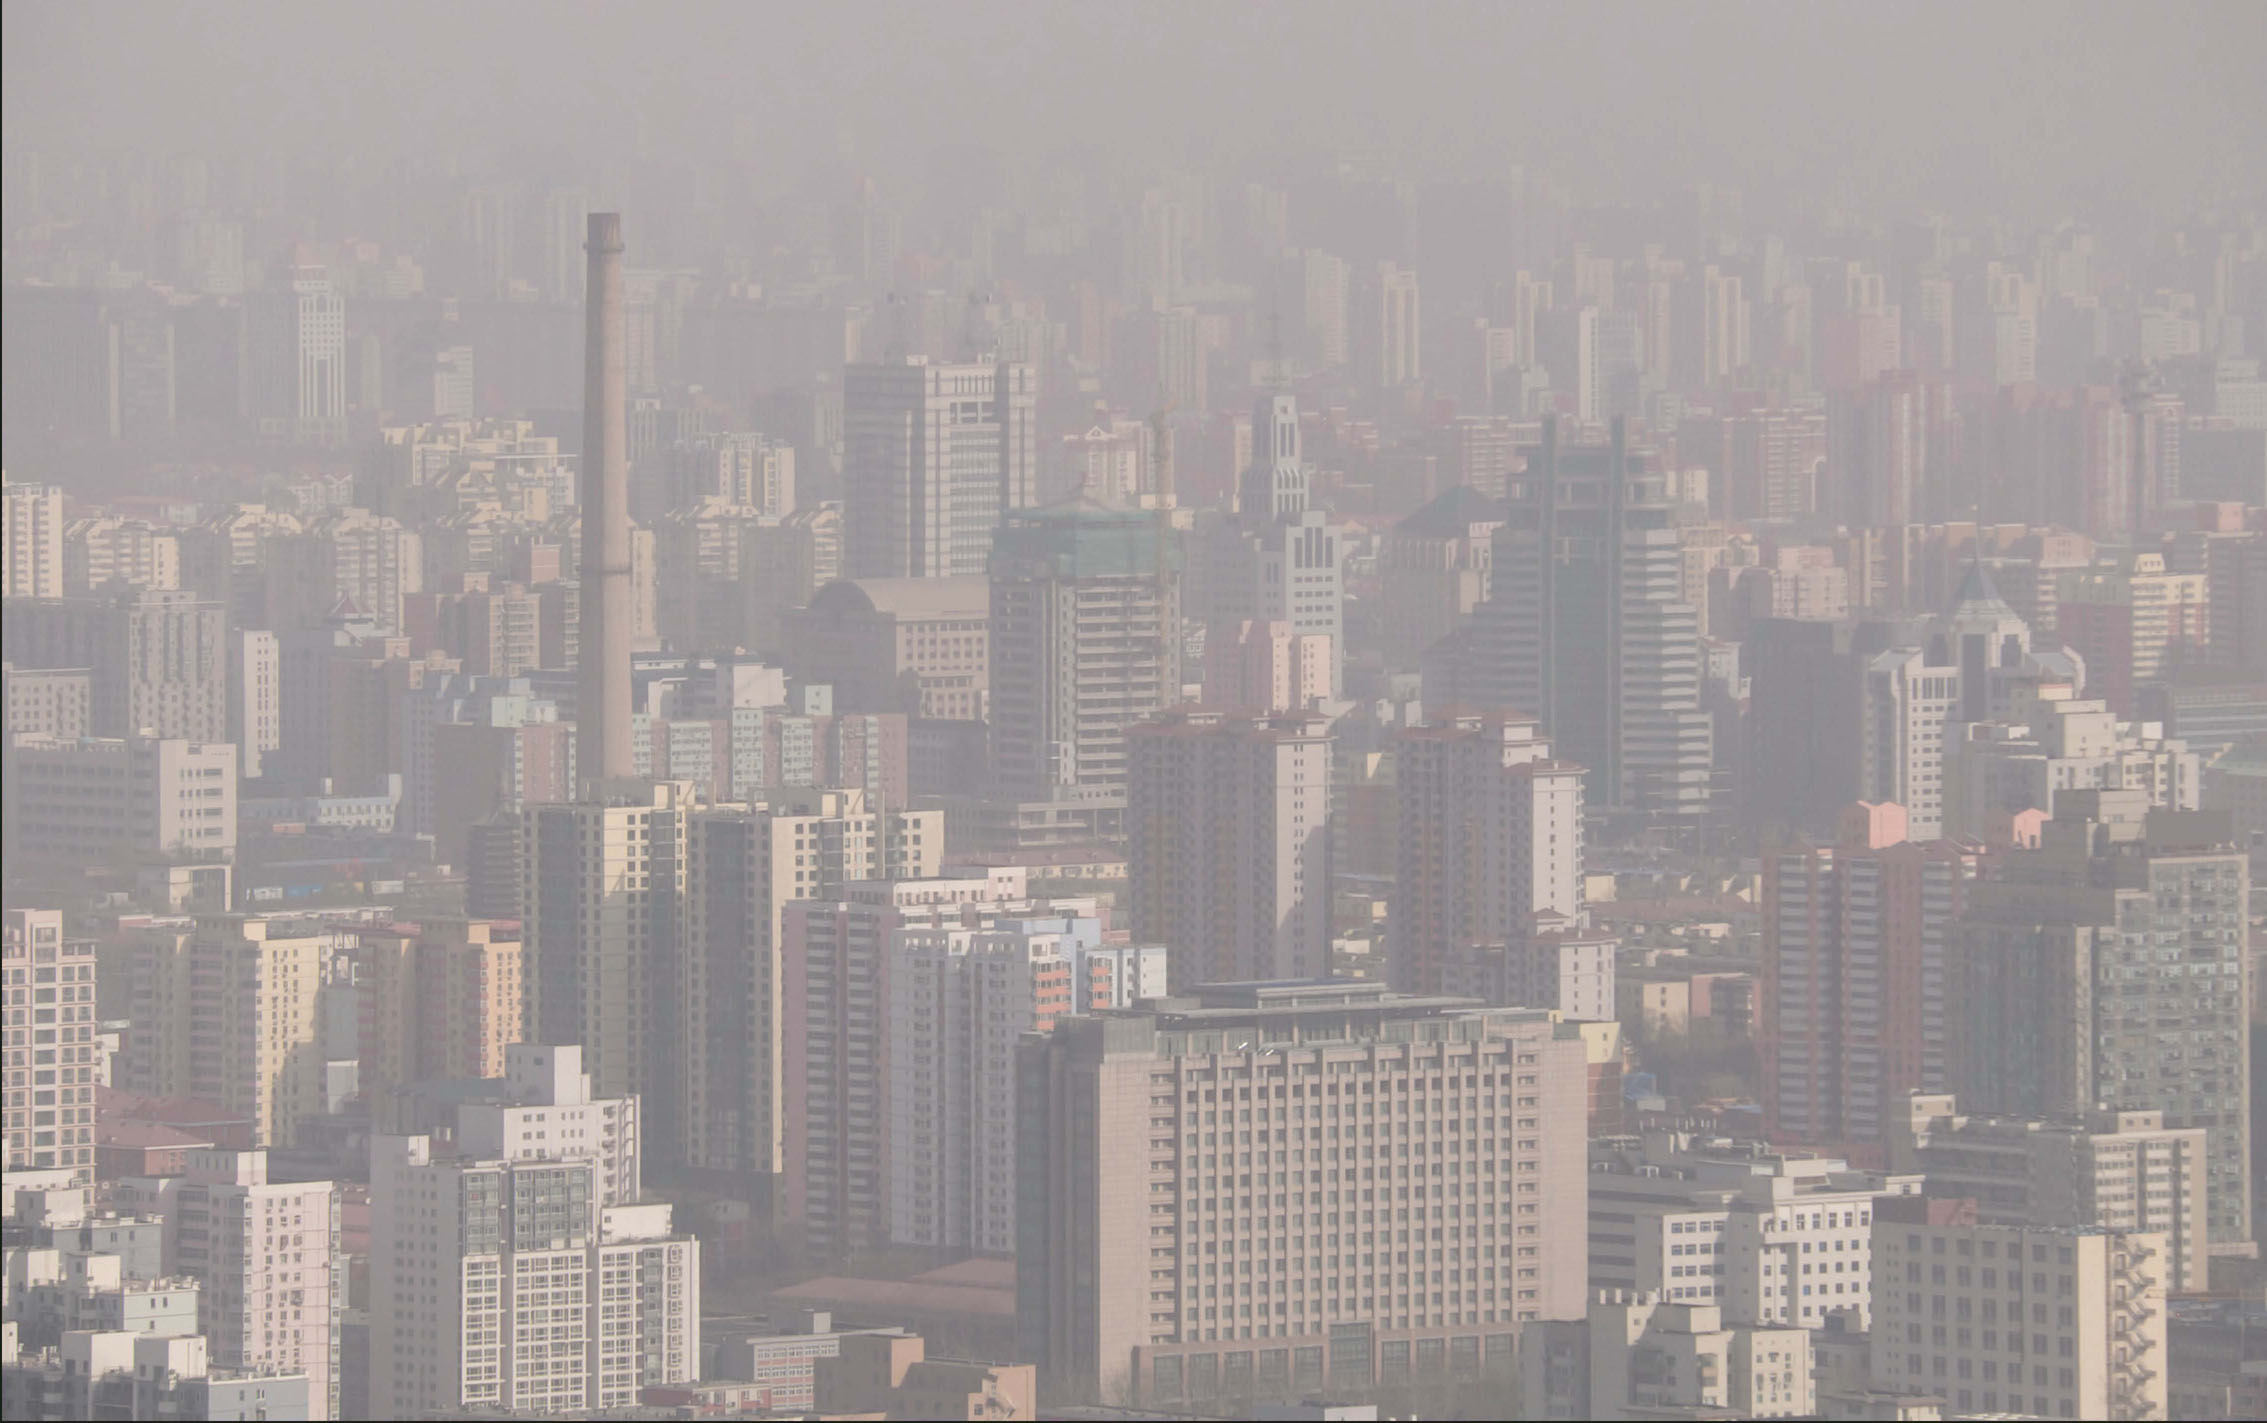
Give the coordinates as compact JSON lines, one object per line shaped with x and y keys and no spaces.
{"x":602,"y":745}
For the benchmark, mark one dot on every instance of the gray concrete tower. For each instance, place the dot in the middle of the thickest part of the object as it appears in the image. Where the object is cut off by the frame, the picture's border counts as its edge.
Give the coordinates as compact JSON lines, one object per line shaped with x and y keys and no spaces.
{"x":603,"y":706}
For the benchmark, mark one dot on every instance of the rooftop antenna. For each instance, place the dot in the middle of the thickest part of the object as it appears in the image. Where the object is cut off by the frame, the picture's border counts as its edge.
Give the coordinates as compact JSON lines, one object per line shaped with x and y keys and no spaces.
{"x":1275,"y":344}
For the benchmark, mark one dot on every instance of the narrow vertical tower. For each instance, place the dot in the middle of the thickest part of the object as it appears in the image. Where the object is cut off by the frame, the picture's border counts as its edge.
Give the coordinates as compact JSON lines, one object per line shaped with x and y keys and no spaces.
{"x":602,"y":746}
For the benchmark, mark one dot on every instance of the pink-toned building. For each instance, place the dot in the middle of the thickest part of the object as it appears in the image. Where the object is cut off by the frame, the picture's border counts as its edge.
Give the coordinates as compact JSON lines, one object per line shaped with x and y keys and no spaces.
{"x":1851,"y":1012}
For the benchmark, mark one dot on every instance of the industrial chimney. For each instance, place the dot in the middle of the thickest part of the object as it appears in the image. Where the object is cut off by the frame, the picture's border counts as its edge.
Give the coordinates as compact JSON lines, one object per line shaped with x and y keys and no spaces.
{"x":602,"y":742}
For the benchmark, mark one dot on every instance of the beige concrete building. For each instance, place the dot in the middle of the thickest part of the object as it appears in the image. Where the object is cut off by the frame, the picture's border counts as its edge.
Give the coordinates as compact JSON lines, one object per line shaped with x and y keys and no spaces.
{"x":1771,"y":1237}
{"x":1420,"y":1203}
{"x":51,"y":1049}
{"x":1490,"y":848}
{"x":1229,"y":854}
{"x":32,"y":541}
{"x":49,"y":701}
{"x":230,"y":1011}
{"x":603,"y":895}
{"x":1638,"y":1356}
{"x":2118,"y":1170}
{"x":438,"y":999}
{"x":98,"y":800}
{"x":915,"y":645}
{"x":266,"y":1254}
{"x":2044,"y":1321}
{"x":748,"y":865}
{"x":518,"y":1284}
{"x":107,"y":548}
{"x":159,"y":659}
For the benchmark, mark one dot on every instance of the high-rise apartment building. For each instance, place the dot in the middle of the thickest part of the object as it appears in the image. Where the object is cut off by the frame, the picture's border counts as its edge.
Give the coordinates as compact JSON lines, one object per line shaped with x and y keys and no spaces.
{"x":2117,"y":1170}
{"x":839,"y":1134}
{"x":437,"y":999}
{"x":521,"y":1284}
{"x":51,"y":1048}
{"x":266,"y":1257}
{"x":959,"y":1002}
{"x":1490,"y":846}
{"x":1854,"y":1011}
{"x":231,"y":1011}
{"x":2045,"y":1321}
{"x":604,"y":899}
{"x":1160,"y":1259}
{"x":255,"y":698}
{"x":1585,"y":628}
{"x":2134,"y":624}
{"x":159,"y":659}
{"x":747,"y":867}
{"x":32,"y":540}
{"x":2108,"y":968}
{"x":933,"y":456}
{"x":1085,"y":642}
{"x":1776,"y":1237}
{"x":1228,"y":844}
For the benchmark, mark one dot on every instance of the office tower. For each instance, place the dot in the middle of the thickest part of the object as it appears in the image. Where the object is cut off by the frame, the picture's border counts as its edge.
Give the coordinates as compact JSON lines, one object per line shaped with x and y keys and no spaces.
{"x":295,"y":361}
{"x":2053,"y":1321}
{"x":1129,"y":1256}
{"x":1228,"y":844}
{"x":566,"y":215}
{"x":1637,"y":1354}
{"x":468,"y":1251}
{"x":835,"y":1011}
{"x":51,"y":1049}
{"x":933,"y":457}
{"x":1584,"y":627}
{"x":159,"y":659}
{"x":1968,"y":667}
{"x":1277,"y":559}
{"x":230,"y":1011}
{"x":266,"y":1254}
{"x":2080,"y":958}
{"x":920,"y":646}
{"x":2054,"y":742}
{"x":1853,"y":993}
{"x":101,"y":801}
{"x":603,"y":919}
{"x":959,"y":1001}
{"x":440,"y":998}
{"x":2134,"y":624}
{"x":33,"y":540}
{"x":735,"y":1025}
{"x":1490,"y":847}
{"x":603,"y":659}
{"x":1395,"y":331}
{"x":1085,"y":641}
{"x":2116,"y":1170}
{"x":1768,"y":1236}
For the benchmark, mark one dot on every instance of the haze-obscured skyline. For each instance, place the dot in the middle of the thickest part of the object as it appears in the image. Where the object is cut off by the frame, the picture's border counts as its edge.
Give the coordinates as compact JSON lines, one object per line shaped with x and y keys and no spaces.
{"x":1941,"y":104}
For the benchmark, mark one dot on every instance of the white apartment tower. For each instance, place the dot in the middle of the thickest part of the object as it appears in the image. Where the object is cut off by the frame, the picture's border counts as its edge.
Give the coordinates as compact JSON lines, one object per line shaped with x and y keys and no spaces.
{"x":32,"y":540}
{"x":51,"y":1045}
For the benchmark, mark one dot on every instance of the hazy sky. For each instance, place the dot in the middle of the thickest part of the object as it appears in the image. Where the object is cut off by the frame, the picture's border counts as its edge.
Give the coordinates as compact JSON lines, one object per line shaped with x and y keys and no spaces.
{"x":1894,"y":98}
